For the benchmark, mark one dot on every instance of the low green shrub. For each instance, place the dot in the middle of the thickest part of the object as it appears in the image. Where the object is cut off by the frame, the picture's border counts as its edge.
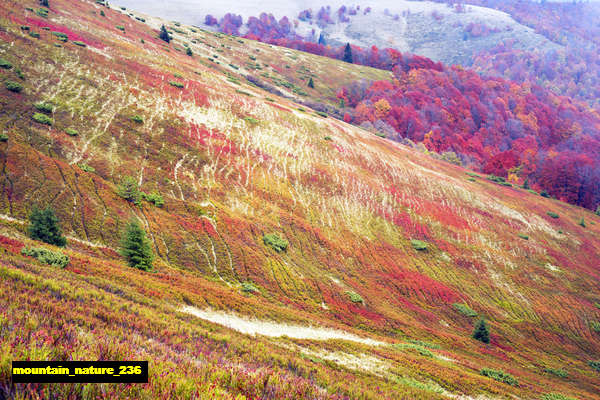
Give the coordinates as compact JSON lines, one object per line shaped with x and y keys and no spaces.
{"x":595,"y":364}
{"x":54,"y":258}
{"x":42,"y":119}
{"x":80,"y":43}
{"x":561,"y":373}
{"x":380,"y":134}
{"x":355,"y":297}
{"x":556,"y":396}
{"x":595,"y":326}
{"x":497,"y":179}
{"x":3,"y":138}
{"x":425,"y":344}
{"x":137,"y":119}
{"x":418,"y":245}
{"x":42,"y":12}
{"x":71,"y":132}
{"x":552,"y":214}
{"x":465,"y":309}
{"x":44,"y":107}
{"x":121,"y":28}
{"x":581,"y":222}
{"x":34,"y":35}
{"x":522,"y":236}
{"x":154,"y":198}
{"x":321,"y":114}
{"x":500,"y":376}
{"x":412,"y":346}
{"x":176,"y":84}
{"x":275,"y":242}
{"x":251,"y":120}
{"x":328,"y":138}
{"x":4,"y":64}
{"x":87,"y":168}
{"x":13,"y":86}
{"x":61,"y":36}
{"x":248,"y":287}
{"x":545,"y":194}
{"x":473,"y":174}
{"x":532,"y":191}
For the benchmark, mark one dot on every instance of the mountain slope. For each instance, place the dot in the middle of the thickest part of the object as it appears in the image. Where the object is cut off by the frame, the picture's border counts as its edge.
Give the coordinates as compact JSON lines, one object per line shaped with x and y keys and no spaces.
{"x":233,"y":164}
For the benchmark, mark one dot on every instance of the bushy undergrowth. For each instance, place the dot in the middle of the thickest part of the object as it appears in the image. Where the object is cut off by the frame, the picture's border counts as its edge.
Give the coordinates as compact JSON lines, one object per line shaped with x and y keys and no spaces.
{"x":275,"y":242}
{"x":355,"y":297}
{"x":559,"y":372}
{"x":465,"y":309}
{"x":418,"y":245}
{"x":55,"y":258}
{"x":42,"y":119}
{"x":500,"y":376}
{"x":13,"y":86}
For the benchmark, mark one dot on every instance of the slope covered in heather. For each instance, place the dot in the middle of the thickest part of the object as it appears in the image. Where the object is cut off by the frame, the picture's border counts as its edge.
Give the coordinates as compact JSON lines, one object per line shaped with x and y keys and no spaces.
{"x":383,"y":243}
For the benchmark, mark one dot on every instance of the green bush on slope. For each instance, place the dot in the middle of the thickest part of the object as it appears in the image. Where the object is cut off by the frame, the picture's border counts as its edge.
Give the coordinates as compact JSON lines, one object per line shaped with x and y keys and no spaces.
{"x":55,"y":258}
{"x":275,"y":242}
{"x":500,"y":376}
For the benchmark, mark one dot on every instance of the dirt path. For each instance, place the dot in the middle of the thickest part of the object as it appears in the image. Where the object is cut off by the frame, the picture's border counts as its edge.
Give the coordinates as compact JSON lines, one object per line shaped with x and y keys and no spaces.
{"x":274,"y":329}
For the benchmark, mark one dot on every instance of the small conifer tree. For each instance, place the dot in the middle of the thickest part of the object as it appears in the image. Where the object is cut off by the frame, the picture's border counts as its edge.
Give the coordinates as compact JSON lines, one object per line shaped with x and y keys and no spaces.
{"x":189,"y":52}
{"x":129,"y":190}
{"x":311,"y":83}
{"x":582,"y":222}
{"x":44,"y":226}
{"x":135,"y":247}
{"x":164,"y":35}
{"x":44,"y":3}
{"x":598,"y":210}
{"x":526,"y":184}
{"x":482,"y":331}
{"x":348,"y":54}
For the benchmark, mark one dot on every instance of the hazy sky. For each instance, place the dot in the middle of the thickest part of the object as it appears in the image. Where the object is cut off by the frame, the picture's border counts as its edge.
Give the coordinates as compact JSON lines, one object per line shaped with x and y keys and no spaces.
{"x":193,"y":11}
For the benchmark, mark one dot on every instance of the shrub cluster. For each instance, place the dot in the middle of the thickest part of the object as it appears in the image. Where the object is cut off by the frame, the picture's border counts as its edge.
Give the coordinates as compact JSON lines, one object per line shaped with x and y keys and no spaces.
{"x":418,"y":245}
{"x":500,"y":376}
{"x":54,"y":258}
{"x":44,"y":107}
{"x":15,"y":87}
{"x":355,"y":297}
{"x":275,"y":242}
{"x":154,"y":198}
{"x":42,"y":119}
{"x":5,"y":64}
{"x":465,"y":309}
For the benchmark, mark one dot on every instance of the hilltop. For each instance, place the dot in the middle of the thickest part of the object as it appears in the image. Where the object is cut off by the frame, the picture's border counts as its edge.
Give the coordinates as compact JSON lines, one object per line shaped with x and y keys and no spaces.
{"x":266,"y":216}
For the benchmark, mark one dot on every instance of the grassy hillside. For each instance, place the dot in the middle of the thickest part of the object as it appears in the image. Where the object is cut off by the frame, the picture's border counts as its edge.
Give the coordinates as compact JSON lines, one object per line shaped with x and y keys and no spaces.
{"x":383,"y":242}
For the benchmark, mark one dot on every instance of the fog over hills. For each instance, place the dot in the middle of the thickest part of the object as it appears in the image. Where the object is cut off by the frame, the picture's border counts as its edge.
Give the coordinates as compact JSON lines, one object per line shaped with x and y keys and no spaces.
{"x":421,"y":27}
